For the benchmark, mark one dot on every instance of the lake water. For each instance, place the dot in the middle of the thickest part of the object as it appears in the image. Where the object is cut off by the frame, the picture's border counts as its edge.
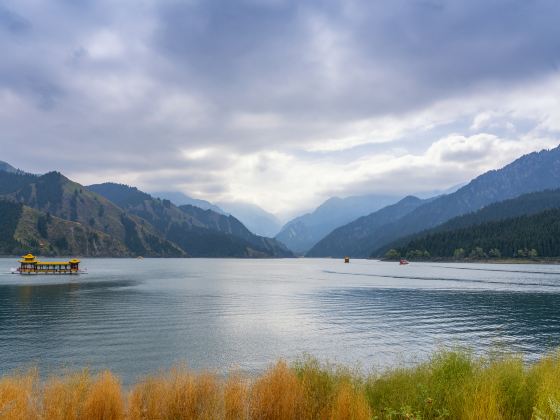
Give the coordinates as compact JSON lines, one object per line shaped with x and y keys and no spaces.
{"x":140,"y":316}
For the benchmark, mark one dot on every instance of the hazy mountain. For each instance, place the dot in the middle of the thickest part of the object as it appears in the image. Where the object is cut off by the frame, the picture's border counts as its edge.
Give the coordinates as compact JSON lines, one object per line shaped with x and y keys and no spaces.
{"x":253,"y":217}
{"x":301,"y":233}
{"x":352,"y":239}
{"x":436,"y":193}
{"x":180,"y":199}
{"x":256,"y":219}
{"x":196,"y":231}
{"x":524,"y":205}
{"x":533,"y":172}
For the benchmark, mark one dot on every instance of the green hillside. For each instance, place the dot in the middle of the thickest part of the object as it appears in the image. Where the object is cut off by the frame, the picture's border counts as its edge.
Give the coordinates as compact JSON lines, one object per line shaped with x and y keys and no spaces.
{"x":526,"y":204}
{"x":23,"y":230}
{"x":524,"y":236}
{"x":56,"y":195}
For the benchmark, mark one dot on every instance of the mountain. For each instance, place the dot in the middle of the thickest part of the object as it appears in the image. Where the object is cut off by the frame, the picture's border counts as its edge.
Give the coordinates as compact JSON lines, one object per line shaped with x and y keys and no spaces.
{"x":301,"y":233}
{"x":23,"y":230}
{"x":52,"y":215}
{"x":255,"y":218}
{"x":55,"y":195}
{"x":6,"y":167}
{"x":180,"y":199}
{"x":524,"y":205}
{"x":436,"y":193}
{"x":533,"y":172}
{"x":524,"y":236}
{"x":356,"y":237}
{"x":198,"y":232}
{"x":256,"y":245}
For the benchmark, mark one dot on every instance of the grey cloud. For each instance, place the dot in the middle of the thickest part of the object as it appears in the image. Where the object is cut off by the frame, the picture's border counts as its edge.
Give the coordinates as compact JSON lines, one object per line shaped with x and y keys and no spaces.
{"x":312,"y":65}
{"x":405,"y":53}
{"x":13,"y":22}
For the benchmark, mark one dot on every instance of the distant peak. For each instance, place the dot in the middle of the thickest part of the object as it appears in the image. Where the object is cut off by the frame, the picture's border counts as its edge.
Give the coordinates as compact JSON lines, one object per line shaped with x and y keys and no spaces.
{"x":410,"y":198}
{"x":54,"y":175}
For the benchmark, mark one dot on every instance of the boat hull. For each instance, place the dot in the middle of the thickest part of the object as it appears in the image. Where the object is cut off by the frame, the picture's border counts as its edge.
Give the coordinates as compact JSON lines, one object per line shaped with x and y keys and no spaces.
{"x":46,"y":274}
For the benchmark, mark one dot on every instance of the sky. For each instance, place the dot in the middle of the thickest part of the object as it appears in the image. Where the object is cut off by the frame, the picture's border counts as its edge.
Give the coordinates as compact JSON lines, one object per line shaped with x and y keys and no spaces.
{"x":278,"y":103}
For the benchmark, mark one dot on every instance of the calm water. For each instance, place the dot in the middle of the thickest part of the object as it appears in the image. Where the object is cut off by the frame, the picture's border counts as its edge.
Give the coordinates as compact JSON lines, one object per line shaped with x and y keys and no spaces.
{"x":138,"y":316}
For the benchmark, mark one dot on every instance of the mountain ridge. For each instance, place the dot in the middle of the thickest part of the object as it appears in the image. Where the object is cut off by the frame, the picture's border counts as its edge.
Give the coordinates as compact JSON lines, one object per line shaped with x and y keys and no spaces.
{"x":178,"y":224}
{"x":523,"y":205}
{"x":302,"y":232}
{"x":532,"y":172}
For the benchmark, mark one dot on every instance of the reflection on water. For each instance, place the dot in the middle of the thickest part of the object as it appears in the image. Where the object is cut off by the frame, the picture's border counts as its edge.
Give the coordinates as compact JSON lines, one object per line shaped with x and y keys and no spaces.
{"x":137,"y":316}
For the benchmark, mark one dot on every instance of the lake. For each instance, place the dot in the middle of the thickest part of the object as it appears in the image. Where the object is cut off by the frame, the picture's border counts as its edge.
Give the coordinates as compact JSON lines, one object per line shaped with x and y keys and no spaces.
{"x":140,"y":316}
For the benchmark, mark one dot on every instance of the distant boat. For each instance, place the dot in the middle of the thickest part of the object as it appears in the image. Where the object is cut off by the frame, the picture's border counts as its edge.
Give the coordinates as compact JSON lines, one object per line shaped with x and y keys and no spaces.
{"x":30,"y":265}
{"x":346,"y":260}
{"x":403,"y":261}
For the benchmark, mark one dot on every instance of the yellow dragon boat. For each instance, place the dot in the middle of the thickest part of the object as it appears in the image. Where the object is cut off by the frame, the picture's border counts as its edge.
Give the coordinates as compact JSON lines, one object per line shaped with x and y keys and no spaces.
{"x":30,"y":265}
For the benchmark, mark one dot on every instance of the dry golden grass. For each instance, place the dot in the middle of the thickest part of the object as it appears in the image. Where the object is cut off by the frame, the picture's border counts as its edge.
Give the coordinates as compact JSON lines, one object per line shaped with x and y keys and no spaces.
{"x":451,"y":385}
{"x":236,"y":392}
{"x":277,"y":395}
{"x":18,"y":396}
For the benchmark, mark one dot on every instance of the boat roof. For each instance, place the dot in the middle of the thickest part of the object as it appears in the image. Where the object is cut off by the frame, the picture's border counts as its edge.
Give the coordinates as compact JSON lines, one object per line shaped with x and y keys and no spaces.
{"x":29,"y":258}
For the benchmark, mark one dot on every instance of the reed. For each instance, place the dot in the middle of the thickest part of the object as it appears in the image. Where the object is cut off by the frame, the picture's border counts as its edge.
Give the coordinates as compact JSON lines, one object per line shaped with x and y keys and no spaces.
{"x":450,"y":385}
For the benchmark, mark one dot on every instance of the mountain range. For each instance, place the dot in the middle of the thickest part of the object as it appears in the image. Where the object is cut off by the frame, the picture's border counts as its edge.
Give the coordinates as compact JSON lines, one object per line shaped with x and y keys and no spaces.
{"x":53,"y":215}
{"x":525,"y":205}
{"x":359,"y":235}
{"x":255,"y":218}
{"x":252,"y":216}
{"x":533,"y":172}
{"x":197,"y":231}
{"x":180,"y":199}
{"x":301,"y":233}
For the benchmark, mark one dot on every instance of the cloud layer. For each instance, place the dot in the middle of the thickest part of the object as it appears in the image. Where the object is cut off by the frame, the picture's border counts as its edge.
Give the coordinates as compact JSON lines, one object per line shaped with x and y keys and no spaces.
{"x":279,"y":103}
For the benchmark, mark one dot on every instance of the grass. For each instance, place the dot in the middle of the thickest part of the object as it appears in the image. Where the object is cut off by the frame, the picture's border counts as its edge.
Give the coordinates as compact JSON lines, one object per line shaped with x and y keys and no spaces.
{"x":451,"y":385}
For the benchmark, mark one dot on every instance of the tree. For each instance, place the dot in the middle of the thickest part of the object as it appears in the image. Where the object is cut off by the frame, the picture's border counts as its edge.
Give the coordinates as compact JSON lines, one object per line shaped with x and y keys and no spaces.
{"x":477,"y":253}
{"x":415,"y":254}
{"x":459,"y":253}
{"x":533,"y":253}
{"x":393,"y":254}
{"x":494,"y":253}
{"x":521,"y":252}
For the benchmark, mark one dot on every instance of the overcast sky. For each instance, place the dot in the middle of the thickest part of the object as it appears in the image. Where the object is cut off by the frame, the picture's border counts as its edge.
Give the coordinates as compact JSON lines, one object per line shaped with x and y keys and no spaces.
{"x":278,"y":103}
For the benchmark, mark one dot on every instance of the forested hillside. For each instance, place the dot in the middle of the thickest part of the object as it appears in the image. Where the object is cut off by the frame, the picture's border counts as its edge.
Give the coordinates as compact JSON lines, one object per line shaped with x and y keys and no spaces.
{"x":524,"y":236}
{"x":524,"y":205}
{"x":23,"y":230}
{"x":196,"y":231}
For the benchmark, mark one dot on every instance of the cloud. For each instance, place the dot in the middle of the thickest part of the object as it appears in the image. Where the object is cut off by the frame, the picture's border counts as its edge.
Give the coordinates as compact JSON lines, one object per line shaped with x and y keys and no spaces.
{"x":279,"y":102}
